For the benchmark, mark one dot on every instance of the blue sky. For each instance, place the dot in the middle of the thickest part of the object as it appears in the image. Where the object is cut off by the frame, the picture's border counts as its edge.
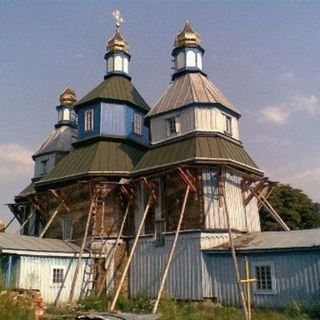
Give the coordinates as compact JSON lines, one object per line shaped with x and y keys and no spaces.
{"x":263,"y":55}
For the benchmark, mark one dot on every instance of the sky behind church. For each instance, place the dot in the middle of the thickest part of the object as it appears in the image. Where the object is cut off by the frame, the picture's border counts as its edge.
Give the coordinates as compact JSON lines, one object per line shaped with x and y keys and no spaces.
{"x":264,"y":56}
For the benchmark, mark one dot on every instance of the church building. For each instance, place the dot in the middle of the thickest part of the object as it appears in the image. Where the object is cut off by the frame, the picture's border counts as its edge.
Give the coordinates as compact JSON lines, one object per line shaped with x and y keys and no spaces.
{"x":158,"y":197}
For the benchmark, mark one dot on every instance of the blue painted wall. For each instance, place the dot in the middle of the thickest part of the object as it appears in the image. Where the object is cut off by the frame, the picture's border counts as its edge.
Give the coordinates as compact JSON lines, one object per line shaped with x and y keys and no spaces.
{"x":96,"y":126}
{"x":112,"y":119}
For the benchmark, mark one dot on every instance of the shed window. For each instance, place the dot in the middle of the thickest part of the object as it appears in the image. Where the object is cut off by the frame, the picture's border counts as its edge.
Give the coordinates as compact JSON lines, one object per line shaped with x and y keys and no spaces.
{"x":172,"y":125}
{"x":88,"y":120}
{"x":265,"y":279}
{"x":137,"y":124}
{"x":57,"y":275}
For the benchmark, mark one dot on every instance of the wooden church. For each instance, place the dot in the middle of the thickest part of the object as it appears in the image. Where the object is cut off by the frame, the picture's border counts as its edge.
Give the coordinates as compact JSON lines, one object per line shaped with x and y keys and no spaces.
{"x":150,"y":193}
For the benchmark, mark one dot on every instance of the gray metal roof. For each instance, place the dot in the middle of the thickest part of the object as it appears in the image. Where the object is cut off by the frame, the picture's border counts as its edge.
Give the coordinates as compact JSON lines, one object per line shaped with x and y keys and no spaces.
{"x":59,"y":140}
{"x":188,"y":89}
{"x":274,"y":240}
{"x":12,"y":242}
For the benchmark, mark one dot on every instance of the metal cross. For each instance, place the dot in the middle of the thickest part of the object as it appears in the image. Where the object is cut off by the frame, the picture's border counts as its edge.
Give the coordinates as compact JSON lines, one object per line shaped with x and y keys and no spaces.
{"x":118,"y":18}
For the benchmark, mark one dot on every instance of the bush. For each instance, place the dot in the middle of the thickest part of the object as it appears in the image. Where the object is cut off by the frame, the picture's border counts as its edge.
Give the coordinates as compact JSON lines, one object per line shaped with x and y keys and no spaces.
{"x":14,"y":309}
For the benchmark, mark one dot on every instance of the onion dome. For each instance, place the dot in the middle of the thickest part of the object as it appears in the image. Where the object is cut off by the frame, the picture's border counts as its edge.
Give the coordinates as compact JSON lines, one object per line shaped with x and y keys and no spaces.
{"x":117,"y":43}
{"x":68,"y":97}
{"x":187,"y":37}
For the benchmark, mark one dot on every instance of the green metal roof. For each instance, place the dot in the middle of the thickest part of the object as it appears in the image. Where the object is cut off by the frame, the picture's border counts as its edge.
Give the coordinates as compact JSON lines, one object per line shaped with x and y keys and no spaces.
{"x":29,"y":189}
{"x":116,"y":88}
{"x":199,"y":149}
{"x":102,"y":158}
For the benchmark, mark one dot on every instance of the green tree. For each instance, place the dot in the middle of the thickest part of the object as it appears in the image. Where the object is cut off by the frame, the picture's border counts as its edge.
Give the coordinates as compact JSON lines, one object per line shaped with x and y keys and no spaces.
{"x":296,"y":209}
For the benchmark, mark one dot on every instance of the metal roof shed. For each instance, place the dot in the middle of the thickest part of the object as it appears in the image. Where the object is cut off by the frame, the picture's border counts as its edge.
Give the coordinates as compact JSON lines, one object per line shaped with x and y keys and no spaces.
{"x":286,"y":265}
{"x":44,"y":264}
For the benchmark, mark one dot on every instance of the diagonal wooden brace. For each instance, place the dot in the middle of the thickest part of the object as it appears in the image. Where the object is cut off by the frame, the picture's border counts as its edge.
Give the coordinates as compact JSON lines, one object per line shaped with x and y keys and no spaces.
{"x":257,"y":189}
{"x":61,"y":198}
{"x":188,"y":179}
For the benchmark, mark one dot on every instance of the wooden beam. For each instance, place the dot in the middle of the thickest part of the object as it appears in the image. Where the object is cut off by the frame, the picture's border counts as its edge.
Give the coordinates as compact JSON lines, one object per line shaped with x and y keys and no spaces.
{"x":76,"y":272}
{"x":170,"y":256}
{"x":270,"y":209}
{"x":8,"y":224}
{"x":49,"y":222}
{"x":124,"y":273}
{"x":24,"y":223}
{"x":257,"y":190}
{"x":233,"y":253}
{"x":115,"y":247}
{"x":61,"y":199}
{"x":188,"y":178}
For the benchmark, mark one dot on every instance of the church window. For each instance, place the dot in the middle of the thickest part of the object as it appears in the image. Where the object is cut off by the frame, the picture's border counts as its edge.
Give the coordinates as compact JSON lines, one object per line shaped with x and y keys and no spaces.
{"x":191,"y":58}
{"x":265,"y":279}
{"x":44,"y":167}
{"x":88,"y":121}
{"x":180,"y":60}
{"x":60,"y":115}
{"x":228,"y":128}
{"x":199,"y":60}
{"x":118,"y":63}
{"x":57,"y":275}
{"x":172,"y":125}
{"x":66,"y":114}
{"x":137,"y":124}
{"x":125,"y":65}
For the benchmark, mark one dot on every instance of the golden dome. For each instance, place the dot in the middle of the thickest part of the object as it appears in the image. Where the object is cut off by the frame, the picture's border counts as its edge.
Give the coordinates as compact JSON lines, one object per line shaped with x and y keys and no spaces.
{"x":117,"y":43}
{"x":68,"y":97}
{"x":187,"y":37}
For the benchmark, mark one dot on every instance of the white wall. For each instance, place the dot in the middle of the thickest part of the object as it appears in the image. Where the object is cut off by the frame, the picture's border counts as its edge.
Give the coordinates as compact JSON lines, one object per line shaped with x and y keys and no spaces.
{"x":241,"y":218}
{"x":36,"y":273}
{"x":208,"y":119}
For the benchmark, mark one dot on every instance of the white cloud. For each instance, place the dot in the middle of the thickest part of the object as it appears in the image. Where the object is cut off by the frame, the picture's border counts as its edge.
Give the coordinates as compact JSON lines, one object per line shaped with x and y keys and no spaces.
{"x":280,"y":113}
{"x":287,"y":77}
{"x":275,"y":114}
{"x":15,"y":161}
{"x":271,"y":141}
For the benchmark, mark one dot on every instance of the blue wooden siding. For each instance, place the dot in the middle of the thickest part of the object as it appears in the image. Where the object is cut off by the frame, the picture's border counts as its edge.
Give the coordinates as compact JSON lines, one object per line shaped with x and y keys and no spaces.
{"x":112,"y":119}
{"x":184,"y":279}
{"x":297,"y":277}
{"x":81,"y":121}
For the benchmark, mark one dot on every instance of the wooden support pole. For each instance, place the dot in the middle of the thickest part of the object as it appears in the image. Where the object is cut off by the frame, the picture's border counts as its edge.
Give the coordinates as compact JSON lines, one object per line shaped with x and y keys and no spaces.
{"x":49,"y":222}
{"x":124,"y":273}
{"x":257,"y":188}
{"x":169,"y":259}
{"x":115,"y":248}
{"x":76,"y":272}
{"x":60,"y":199}
{"x":8,"y":224}
{"x":24,"y":223}
{"x":270,"y":209}
{"x":233,"y":252}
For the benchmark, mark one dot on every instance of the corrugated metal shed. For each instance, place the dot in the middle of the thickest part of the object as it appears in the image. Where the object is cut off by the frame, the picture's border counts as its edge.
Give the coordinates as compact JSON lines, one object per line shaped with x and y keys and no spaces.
{"x":188,"y":89}
{"x":35,"y":245}
{"x":99,"y":158}
{"x":276,"y":240}
{"x":115,"y":88}
{"x":59,"y":140}
{"x":200,"y":149}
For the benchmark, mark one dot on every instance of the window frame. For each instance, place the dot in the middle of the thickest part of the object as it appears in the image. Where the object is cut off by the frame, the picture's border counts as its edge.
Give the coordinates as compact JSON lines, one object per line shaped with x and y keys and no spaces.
{"x":89,"y":120}
{"x":44,"y":167}
{"x":67,"y":227}
{"x":57,"y":275}
{"x":271,"y":266}
{"x":228,"y":124}
{"x":172,"y":125}
{"x":137,"y":124}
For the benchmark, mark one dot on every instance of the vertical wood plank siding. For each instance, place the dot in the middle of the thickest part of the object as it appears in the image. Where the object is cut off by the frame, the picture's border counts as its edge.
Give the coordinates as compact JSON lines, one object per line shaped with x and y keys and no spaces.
{"x":184,"y":280}
{"x":209,"y":119}
{"x":297,"y":277}
{"x":36,"y":273}
{"x":252,"y":213}
{"x":215,"y":217}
